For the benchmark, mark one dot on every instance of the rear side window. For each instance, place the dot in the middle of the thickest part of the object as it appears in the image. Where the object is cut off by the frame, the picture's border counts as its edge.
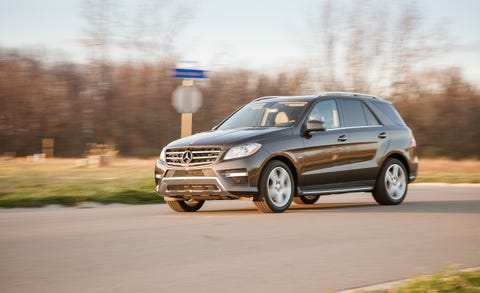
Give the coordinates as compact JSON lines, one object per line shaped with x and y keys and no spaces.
{"x":386,"y":110}
{"x":353,"y":113}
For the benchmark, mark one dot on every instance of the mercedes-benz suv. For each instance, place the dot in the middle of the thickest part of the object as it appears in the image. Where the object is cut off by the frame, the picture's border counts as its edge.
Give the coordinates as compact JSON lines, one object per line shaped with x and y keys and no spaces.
{"x":276,"y":150}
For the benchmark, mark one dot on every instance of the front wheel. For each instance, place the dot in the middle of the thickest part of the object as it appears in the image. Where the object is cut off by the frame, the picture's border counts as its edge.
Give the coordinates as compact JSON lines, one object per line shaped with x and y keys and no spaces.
{"x":392,"y":184}
{"x":186,"y":206}
{"x":276,"y":188}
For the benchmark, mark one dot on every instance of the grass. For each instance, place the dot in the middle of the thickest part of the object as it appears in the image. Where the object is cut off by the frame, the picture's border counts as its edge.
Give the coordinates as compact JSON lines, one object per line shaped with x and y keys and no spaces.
{"x":59,"y":181}
{"x":447,"y":281}
{"x":448,"y":171}
{"x":130,"y":181}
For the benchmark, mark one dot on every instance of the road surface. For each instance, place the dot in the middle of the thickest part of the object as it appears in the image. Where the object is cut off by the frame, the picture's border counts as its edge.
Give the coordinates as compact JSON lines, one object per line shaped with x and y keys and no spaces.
{"x":342,"y":242}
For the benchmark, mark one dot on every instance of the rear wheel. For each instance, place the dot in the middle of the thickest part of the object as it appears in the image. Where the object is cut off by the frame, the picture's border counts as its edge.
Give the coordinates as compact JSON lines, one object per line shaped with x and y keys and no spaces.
{"x":190,"y":205}
{"x":392,"y":183}
{"x":306,"y":199}
{"x":276,"y":188}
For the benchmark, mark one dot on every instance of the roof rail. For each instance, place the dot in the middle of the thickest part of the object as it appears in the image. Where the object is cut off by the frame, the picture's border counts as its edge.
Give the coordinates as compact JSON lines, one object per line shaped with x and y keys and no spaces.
{"x":348,"y":94}
{"x":263,"y":98}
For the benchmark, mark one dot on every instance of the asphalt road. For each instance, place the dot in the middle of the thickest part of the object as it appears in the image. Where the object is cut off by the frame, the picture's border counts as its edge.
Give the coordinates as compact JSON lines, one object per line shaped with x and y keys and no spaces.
{"x":343,"y":241}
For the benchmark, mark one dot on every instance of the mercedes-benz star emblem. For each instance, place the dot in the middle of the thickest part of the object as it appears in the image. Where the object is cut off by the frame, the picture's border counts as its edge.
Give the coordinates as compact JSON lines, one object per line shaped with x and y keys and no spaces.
{"x":187,"y":157}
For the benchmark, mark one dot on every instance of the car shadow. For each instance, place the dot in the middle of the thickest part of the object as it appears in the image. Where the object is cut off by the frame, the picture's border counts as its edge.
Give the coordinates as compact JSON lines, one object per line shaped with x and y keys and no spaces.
{"x":450,"y":207}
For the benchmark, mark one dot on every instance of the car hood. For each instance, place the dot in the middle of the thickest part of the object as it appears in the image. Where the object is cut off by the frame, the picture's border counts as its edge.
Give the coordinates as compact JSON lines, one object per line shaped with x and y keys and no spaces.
{"x":225,"y":138}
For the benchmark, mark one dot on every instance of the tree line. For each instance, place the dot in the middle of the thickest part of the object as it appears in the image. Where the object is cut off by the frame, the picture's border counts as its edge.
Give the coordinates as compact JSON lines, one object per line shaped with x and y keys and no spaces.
{"x":128,"y":105}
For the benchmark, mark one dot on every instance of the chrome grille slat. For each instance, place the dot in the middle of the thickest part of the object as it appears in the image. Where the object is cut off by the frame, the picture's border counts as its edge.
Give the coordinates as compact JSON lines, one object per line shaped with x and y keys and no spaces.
{"x":174,"y":153}
{"x":204,"y":152}
{"x":200,"y":156}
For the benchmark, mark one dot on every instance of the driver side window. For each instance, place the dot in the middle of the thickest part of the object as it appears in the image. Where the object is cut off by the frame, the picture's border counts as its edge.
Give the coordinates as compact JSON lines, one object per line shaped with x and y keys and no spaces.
{"x":327,"y":112}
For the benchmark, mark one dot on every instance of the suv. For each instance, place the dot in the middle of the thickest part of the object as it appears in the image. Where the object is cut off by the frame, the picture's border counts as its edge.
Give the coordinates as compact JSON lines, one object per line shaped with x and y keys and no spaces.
{"x":276,"y":150}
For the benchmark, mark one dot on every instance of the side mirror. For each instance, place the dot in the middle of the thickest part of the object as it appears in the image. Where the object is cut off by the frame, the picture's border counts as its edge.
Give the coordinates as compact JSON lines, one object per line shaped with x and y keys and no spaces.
{"x":314,"y":125}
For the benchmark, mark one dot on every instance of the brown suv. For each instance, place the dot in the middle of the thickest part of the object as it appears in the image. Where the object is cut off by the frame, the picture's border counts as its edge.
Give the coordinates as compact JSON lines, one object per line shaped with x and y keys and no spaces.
{"x":276,"y":150}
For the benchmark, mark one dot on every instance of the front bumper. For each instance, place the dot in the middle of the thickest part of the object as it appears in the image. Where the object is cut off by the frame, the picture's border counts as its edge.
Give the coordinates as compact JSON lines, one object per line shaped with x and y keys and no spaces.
{"x":221,"y":180}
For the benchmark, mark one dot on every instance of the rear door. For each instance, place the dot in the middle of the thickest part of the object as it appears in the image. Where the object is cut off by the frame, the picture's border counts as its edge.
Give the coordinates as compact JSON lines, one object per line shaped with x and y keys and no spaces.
{"x":367,"y":138}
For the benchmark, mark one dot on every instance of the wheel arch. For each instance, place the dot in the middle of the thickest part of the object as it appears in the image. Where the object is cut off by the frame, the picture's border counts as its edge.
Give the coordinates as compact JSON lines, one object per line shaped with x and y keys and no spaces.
{"x":289,"y":164}
{"x":399,"y":157}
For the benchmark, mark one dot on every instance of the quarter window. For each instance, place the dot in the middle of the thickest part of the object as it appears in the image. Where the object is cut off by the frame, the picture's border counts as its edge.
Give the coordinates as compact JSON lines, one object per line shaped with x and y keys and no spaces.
{"x":371,"y":119}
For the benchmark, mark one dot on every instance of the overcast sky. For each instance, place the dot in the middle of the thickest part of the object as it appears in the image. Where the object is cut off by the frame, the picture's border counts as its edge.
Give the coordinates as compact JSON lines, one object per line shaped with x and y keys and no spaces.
{"x":245,"y":33}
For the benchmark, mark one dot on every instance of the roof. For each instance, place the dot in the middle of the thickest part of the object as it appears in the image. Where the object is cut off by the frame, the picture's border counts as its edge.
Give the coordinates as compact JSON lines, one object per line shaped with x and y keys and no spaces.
{"x":322,"y":94}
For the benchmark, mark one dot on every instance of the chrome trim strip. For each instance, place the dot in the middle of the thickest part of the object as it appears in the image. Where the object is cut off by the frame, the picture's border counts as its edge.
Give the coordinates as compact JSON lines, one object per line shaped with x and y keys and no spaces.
{"x":194,"y":180}
{"x":354,"y":127}
{"x":190,"y":164}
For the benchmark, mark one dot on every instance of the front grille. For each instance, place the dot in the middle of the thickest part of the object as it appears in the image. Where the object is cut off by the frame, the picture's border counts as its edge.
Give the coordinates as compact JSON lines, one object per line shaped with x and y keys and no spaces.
{"x":192,"y":156}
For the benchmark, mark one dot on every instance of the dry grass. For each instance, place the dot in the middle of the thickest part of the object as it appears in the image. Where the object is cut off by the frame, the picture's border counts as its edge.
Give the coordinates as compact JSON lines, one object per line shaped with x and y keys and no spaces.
{"x":448,"y":165}
{"x":447,"y":281}
{"x":60,"y":181}
{"x":449,"y":171}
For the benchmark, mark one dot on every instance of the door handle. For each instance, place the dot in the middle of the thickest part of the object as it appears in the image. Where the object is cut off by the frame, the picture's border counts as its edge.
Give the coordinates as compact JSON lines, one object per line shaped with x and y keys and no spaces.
{"x":342,"y":138}
{"x":382,"y":135}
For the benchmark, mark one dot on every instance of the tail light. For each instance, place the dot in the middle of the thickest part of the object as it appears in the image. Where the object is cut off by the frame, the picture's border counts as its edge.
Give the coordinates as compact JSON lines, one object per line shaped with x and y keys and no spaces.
{"x":413,"y":142}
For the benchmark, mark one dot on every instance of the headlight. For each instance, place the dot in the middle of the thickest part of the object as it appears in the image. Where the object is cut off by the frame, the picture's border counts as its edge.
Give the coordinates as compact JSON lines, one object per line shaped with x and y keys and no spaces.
{"x":162,"y":155}
{"x":243,"y":150}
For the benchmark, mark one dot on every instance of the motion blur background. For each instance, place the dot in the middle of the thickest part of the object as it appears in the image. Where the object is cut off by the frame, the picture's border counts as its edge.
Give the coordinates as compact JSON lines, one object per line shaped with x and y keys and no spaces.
{"x":98,"y":71}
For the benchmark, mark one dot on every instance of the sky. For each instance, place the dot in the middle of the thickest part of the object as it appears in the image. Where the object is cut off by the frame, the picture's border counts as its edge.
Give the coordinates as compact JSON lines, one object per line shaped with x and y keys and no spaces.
{"x":257,"y":34}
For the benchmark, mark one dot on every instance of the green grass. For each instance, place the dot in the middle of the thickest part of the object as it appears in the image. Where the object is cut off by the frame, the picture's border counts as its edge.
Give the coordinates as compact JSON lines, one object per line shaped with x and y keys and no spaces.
{"x":39,"y":184}
{"x":448,"y":281}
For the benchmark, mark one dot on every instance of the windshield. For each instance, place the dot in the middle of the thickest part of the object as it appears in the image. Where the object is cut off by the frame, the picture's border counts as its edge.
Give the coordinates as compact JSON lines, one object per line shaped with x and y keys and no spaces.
{"x":265,"y":114}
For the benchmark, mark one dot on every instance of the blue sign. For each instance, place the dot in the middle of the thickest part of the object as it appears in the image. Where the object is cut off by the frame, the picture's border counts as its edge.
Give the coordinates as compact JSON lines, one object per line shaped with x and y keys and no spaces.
{"x":189,"y":73}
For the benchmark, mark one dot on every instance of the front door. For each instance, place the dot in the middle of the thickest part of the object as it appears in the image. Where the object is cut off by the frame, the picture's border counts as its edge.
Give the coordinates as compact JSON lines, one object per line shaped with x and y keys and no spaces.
{"x":325,"y":156}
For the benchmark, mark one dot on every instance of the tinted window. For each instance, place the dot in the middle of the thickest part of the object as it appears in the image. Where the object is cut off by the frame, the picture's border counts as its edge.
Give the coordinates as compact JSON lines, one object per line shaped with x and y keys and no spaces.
{"x":353,"y":113}
{"x":327,"y":112}
{"x":390,"y":113}
{"x":371,"y":119}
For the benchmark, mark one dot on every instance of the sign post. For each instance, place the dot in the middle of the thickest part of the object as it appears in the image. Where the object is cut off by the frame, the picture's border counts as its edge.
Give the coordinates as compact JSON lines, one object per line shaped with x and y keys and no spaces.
{"x":186,"y":128}
{"x":47,"y":147}
{"x":187,"y":98}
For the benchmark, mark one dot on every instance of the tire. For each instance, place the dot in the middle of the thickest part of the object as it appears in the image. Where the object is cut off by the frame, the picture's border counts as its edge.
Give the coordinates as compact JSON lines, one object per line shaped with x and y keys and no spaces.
{"x":276,"y":188}
{"x":186,"y":206}
{"x":392,"y":183}
{"x":306,"y":199}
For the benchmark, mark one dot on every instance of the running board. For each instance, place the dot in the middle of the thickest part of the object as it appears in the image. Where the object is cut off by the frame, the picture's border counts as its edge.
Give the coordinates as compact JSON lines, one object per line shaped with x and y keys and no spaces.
{"x":334,"y":191}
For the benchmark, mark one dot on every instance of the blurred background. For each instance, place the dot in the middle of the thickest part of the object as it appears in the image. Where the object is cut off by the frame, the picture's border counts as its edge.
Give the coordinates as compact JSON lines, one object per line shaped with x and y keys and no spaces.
{"x":76,"y":74}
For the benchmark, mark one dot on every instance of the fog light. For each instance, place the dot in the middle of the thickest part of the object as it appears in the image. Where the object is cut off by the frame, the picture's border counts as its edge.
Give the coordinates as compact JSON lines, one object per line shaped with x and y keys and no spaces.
{"x":238,"y":176}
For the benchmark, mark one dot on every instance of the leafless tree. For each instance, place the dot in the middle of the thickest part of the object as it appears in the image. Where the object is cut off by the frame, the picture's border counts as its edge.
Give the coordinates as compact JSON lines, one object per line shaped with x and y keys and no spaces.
{"x":369,"y":45}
